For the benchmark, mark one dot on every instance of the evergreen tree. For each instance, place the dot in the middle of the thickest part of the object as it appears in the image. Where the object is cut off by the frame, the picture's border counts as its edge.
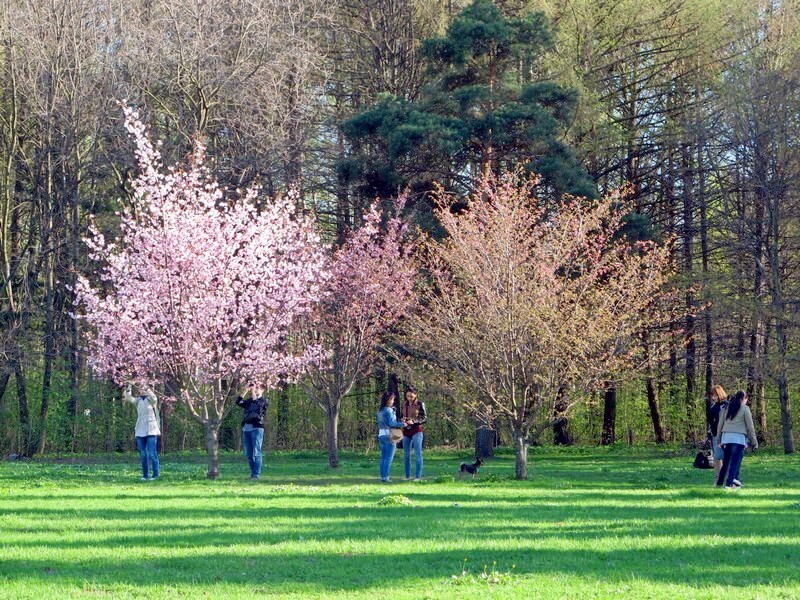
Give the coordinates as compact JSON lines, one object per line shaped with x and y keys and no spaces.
{"x":485,"y":111}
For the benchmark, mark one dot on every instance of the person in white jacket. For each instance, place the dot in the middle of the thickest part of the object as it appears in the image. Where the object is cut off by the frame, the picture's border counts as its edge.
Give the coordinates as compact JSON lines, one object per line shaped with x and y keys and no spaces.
{"x":147,"y":430}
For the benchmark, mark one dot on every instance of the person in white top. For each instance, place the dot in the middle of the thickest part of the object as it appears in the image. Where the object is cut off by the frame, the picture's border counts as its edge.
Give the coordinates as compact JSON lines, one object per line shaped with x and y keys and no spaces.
{"x":147,"y":429}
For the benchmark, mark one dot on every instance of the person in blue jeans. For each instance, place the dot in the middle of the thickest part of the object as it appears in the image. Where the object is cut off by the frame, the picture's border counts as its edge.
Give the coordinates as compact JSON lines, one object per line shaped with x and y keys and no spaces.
{"x":719,"y":400}
{"x":147,"y":430}
{"x":386,"y":420}
{"x":734,"y":431}
{"x":414,"y":415}
{"x":255,"y":411}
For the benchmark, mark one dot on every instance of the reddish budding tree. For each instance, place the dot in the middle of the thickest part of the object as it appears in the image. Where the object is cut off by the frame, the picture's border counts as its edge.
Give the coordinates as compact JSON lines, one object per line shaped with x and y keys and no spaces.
{"x":370,"y":291}
{"x":532,"y":308}
{"x":201,"y":290}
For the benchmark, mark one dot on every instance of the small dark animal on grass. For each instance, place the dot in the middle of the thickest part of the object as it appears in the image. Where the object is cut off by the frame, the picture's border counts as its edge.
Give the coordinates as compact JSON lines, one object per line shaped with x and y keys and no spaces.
{"x":472,"y":469}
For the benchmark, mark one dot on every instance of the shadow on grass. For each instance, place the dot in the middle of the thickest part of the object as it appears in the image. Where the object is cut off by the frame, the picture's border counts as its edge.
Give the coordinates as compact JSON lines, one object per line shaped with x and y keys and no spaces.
{"x":356,"y":568}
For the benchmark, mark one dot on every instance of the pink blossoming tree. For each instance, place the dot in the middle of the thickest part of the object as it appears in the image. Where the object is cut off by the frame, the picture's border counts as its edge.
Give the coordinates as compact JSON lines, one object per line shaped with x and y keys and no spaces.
{"x":532,"y":309}
{"x":370,"y":291}
{"x":202,"y":289}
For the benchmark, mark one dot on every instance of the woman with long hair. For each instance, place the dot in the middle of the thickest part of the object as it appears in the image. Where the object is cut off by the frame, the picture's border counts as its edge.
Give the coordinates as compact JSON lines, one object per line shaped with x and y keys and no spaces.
{"x":414,"y":415}
{"x":386,"y":420}
{"x":719,"y":400}
{"x":734,"y":431}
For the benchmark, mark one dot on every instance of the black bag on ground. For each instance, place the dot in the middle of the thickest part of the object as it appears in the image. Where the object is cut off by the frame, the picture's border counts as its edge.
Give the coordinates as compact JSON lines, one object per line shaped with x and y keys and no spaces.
{"x":701,"y":461}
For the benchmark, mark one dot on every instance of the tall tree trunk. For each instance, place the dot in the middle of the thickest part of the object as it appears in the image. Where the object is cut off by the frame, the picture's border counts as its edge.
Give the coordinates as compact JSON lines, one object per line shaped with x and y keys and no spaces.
{"x":652,"y":394}
{"x":655,"y":414}
{"x":22,"y":400}
{"x":212,"y":447}
{"x":74,"y":347}
{"x":49,"y":355}
{"x":757,"y":347}
{"x":759,"y":397}
{"x":779,"y":311}
{"x":687,"y":231}
{"x":332,"y":412}
{"x":609,"y":434}
{"x":783,"y":387}
{"x":704,"y":251}
{"x":521,"y":451}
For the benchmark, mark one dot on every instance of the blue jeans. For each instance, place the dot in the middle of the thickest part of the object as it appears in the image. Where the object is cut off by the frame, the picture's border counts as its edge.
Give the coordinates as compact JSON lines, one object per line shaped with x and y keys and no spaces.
{"x":148,"y":447}
{"x":387,"y":455}
{"x":716,"y":451}
{"x":252,"y":441}
{"x":414,"y":442}
{"x":731,"y":462}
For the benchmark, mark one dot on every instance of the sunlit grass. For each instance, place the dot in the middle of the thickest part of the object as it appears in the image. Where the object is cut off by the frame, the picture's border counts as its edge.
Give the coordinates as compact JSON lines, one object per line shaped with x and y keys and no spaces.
{"x":589,"y":524}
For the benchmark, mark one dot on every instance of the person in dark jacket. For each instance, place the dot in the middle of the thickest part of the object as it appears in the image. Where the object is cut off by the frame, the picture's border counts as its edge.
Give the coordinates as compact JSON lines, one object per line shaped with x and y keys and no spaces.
{"x":414,"y":415}
{"x":255,"y":411}
{"x":719,"y":400}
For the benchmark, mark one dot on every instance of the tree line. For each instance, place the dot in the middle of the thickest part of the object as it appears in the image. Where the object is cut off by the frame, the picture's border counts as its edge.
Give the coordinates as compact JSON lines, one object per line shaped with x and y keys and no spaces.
{"x":692,"y":104}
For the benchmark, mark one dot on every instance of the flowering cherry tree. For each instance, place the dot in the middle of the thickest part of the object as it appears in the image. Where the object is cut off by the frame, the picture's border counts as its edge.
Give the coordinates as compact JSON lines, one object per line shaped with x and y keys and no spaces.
{"x":369,"y":292}
{"x":533,"y":308}
{"x":201,"y":289}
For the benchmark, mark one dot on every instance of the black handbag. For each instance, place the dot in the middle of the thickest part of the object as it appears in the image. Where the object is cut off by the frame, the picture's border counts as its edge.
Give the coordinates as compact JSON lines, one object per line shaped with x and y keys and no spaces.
{"x":701,"y":461}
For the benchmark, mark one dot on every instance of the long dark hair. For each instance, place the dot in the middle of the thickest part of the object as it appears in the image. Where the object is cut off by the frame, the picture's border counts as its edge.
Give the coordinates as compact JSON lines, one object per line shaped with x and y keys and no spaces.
{"x":735,"y":403}
{"x":385,"y":399}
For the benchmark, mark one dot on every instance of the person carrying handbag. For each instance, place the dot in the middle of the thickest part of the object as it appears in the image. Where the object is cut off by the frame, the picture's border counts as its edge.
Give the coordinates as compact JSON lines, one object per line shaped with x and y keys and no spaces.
{"x":387,"y":421}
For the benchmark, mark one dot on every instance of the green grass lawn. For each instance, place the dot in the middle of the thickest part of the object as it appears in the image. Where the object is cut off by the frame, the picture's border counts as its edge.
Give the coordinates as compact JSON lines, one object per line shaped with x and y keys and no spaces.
{"x":590,"y":523}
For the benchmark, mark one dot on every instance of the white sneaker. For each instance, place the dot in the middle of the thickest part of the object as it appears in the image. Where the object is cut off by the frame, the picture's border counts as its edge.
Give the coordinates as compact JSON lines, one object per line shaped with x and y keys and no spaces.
{"x":737,"y":483}
{"x":418,"y":479}
{"x":145,"y":479}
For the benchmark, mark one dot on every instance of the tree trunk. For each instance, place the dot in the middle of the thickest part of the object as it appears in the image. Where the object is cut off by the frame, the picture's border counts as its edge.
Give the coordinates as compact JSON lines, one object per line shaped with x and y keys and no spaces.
{"x":22,"y":400}
{"x":759,"y":397}
{"x":779,"y":310}
{"x":212,"y":448}
{"x":282,"y":420}
{"x":783,"y":388}
{"x":4,"y":377}
{"x":485,"y":434}
{"x":521,"y":450}
{"x":655,"y":414}
{"x":609,"y":434}
{"x":755,"y":371}
{"x":49,"y":358}
{"x":687,"y":233}
{"x":702,"y":203}
{"x":74,"y":347}
{"x":332,"y":412}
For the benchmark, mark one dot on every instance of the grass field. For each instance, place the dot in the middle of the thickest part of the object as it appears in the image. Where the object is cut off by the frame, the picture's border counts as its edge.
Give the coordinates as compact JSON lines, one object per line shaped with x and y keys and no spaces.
{"x":590,"y":523}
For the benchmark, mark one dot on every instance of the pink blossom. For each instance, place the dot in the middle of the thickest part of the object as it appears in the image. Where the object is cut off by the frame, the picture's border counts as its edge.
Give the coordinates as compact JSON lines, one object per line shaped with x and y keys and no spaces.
{"x":202,"y":287}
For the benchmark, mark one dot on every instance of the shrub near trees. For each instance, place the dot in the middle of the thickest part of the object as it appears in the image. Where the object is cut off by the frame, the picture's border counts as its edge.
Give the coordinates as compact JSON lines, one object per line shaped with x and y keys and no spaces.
{"x":201,"y":290}
{"x":533,"y":308}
